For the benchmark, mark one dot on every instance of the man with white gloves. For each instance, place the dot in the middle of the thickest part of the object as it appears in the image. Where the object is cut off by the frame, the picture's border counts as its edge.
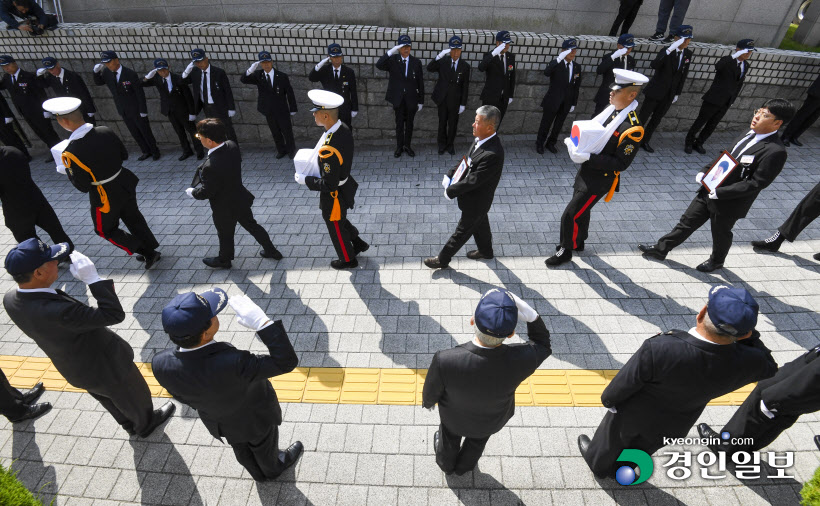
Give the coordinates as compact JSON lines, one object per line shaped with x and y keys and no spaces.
{"x":561,"y":97}
{"x":450,"y":93}
{"x":405,"y":90}
{"x":66,"y":83}
{"x":499,"y":65}
{"x":339,"y":79}
{"x":212,"y":90}
{"x":621,"y":58}
{"x":229,"y":388}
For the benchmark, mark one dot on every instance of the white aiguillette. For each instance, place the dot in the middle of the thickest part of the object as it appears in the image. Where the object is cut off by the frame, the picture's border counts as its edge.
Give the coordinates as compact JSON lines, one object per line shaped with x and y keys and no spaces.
{"x":306,"y":162}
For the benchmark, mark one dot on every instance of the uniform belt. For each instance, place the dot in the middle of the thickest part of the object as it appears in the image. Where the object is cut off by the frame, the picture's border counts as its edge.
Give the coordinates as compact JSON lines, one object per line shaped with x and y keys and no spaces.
{"x":99,"y":183}
{"x":341,"y":183}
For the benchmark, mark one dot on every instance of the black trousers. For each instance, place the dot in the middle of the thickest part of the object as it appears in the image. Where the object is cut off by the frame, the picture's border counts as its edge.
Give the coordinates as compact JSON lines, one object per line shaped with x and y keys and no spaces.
{"x":140,"y":129}
{"x":212,"y":112}
{"x":626,"y":15}
{"x":261,"y":457}
{"x":472,"y":225}
{"x":43,"y":217}
{"x":43,"y":128}
{"x":346,"y":117}
{"x":282,"y":131}
{"x":706,"y":122}
{"x":107,"y":225}
{"x":552,"y":121}
{"x":749,"y":422}
{"x":226,"y":226}
{"x":501,"y":104}
{"x":651,"y":114}
{"x":10,"y":138}
{"x":693,"y":218}
{"x":610,"y":439}
{"x":806,"y":211}
{"x":405,"y":114}
{"x":575,"y":219}
{"x":184,"y":129}
{"x":803,"y":118}
{"x":447,"y":125}
{"x":11,"y":400}
{"x":128,"y":401}
{"x":454,"y":457}
{"x":342,"y":235}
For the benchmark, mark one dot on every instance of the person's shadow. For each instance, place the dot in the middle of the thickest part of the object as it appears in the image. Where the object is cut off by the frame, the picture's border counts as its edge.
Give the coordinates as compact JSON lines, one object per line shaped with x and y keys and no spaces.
{"x":167,"y":478}
{"x":27,"y":461}
{"x":477,"y":488}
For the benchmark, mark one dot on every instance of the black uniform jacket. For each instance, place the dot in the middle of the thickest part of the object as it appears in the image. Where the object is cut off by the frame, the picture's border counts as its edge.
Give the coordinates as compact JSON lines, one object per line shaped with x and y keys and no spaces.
{"x":727,"y":83}
{"x":399,"y":86}
{"x":127,"y":92}
{"x":221,"y":176}
{"x":345,"y":86}
{"x":597,"y":174}
{"x":219,"y":86}
{"x":72,"y":86}
{"x":476,"y":189}
{"x":19,"y":194}
{"x":277,"y":100}
{"x":795,"y":389}
{"x":670,"y":74}
{"x":500,"y":82}
{"x":605,"y":69}
{"x":452,"y":88}
{"x":28,"y":94}
{"x":180,"y":99}
{"x":563,"y":87}
{"x":334,"y":173}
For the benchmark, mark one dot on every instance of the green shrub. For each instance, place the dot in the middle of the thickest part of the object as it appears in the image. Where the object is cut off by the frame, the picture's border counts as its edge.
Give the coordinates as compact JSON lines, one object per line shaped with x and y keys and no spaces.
{"x":790,"y":44}
{"x":12,"y":492}
{"x":811,"y":490}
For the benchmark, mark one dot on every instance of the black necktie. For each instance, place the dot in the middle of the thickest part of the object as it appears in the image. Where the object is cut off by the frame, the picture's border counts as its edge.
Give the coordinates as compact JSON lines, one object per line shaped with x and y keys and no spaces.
{"x":742,"y":145}
{"x":165,"y":83}
{"x":454,"y":67}
{"x":13,"y":80}
{"x":405,"y":67}
{"x":270,"y":83}
{"x":205,"y":87}
{"x":336,"y":73}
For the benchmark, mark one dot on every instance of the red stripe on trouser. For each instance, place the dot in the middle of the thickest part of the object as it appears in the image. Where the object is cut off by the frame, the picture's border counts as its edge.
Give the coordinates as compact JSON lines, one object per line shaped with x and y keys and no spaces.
{"x":575,"y":222}
{"x":101,"y":234}
{"x":341,"y":241}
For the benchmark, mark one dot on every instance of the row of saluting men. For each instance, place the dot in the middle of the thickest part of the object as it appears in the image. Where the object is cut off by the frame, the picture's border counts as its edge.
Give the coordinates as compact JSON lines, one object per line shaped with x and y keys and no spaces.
{"x":654,"y":396}
{"x":405,"y":92}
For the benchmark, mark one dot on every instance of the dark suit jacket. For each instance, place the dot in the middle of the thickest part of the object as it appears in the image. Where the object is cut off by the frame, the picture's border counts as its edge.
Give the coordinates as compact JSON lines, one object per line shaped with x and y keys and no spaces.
{"x":794,"y":390}
{"x":5,"y":111}
{"x":814,"y":89}
{"x":400,"y":87}
{"x":277,"y":100}
{"x":498,"y":84}
{"x":219,"y":87}
{"x":28,"y":94}
{"x":669,"y":77}
{"x":605,"y":69}
{"x":476,"y":189}
{"x":346,"y":86}
{"x":334,"y":173}
{"x":128,"y":93}
{"x":20,"y":196}
{"x":727,"y":83}
{"x":597,"y":174}
{"x":74,"y":336}
{"x":451,"y":88}
{"x":475,"y":387}
{"x":222,"y":186}
{"x":72,"y":86}
{"x":662,"y":389}
{"x":179,"y":101}
{"x":563,"y":90}
{"x":229,"y":388}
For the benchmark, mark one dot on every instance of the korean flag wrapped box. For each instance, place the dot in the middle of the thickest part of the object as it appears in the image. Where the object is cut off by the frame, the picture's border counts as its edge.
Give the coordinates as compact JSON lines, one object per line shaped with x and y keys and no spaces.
{"x":306,"y":162}
{"x":585,"y":134}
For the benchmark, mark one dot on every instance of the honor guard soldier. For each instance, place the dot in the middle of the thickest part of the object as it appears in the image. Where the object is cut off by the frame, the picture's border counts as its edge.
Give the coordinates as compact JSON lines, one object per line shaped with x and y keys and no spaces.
{"x":28,"y":94}
{"x":761,"y":156}
{"x":561,"y":97}
{"x":212,"y":90}
{"x":620,"y":58}
{"x":405,"y":90}
{"x":177,"y":104}
{"x":730,"y":73}
{"x":450,"y":93}
{"x":276,"y":102}
{"x":93,"y":161}
{"x":599,"y":175}
{"x":805,"y":116}
{"x":336,"y":186}
{"x":129,"y":97}
{"x":671,"y":68}
{"x":339,"y":79}
{"x":8,"y":134}
{"x":806,"y":212}
{"x":499,"y":65}
{"x":67,"y":83}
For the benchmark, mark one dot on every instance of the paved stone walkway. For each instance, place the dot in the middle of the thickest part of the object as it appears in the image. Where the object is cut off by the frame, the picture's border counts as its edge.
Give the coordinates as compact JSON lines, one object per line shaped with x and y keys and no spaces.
{"x":394,"y":312}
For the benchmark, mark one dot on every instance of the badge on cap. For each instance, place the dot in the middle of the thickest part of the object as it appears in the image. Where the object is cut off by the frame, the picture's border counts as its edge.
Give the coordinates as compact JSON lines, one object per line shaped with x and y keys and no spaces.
{"x":107,"y":56}
{"x":503,"y":36}
{"x":334,"y":50}
{"x":404,"y":40}
{"x":160,"y":63}
{"x":627,"y":40}
{"x":49,"y":62}
{"x":455,"y":42}
{"x":264,"y":56}
{"x":569,"y":44}
{"x":6,"y":60}
{"x":197,"y":54}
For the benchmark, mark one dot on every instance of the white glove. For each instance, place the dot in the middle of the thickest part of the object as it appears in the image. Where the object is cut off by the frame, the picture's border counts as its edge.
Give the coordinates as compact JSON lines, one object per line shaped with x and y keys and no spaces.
{"x":252,"y":68}
{"x":189,"y":192}
{"x":445,"y":181}
{"x":143,"y":115}
{"x":151,"y":74}
{"x":46,"y":114}
{"x":420,"y":106}
{"x":353,"y":114}
{"x":322,"y":63}
{"x":9,"y":120}
{"x":82,"y":268}
{"x":525,"y":312}
{"x":248,"y":314}
{"x":700,"y":177}
{"x":498,"y":49}
{"x":299,"y":178}
{"x":443,"y":53}
{"x":675,"y":45}
{"x":572,"y":108}
{"x":393,"y":50}
{"x":461,"y":109}
{"x":563,"y":54}
{"x":187,"y":70}
{"x":293,"y":113}
{"x":445,"y":195}
{"x":509,"y":101}
{"x":98,"y":68}
{"x":713,"y":195}
{"x":231,"y":114}
{"x":42,"y":71}
{"x":574,"y":155}
{"x":675,"y":99}
{"x":61,"y":169}
{"x":617,"y":54}
{"x":192,"y":117}
{"x":739,"y":53}
{"x":91,"y":115}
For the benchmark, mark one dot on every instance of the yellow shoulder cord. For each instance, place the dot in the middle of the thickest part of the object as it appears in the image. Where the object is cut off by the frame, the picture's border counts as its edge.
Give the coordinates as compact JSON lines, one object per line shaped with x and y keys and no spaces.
{"x":327,"y":152}
{"x":67,"y":159}
{"x":635,"y":134}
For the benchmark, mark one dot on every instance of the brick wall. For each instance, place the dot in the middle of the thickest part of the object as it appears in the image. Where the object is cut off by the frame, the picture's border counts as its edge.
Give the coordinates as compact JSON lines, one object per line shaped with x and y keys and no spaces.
{"x":298,"y":47}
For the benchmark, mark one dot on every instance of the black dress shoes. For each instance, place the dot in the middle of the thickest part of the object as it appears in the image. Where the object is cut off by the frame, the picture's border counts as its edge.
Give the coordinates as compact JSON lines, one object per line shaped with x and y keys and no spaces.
{"x":816,"y":256}
{"x":687,"y":149}
{"x":274,"y":254}
{"x":34,"y":411}
{"x":290,"y":456}
{"x":583,"y":444}
{"x":32,"y":395}
{"x":652,"y":252}
{"x":797,"y":143}
{"x":552,"y":149}
{"x":699,"y":148}
{"x":144,"y":156}
{"x":185,"y":156}
{"x":397,"y":153}
{"x":441,"y":150}
{"x":785,"y":142}
{"x":139,"y":258}
{"x":156,"y":156}
{"x":281,"y":155}
{"x":50,"y":159}
{"x":539,"y":148}
{"x":707,"y":432}
{"x":646,"y":147}
{"x":709,"y":266}
{"x":436,"y":440}
{"x":477,"y":255}
{"x":150,"y":260}
{"x":561,"y":256}
{"x":409,"y":151}
{"x":158,"y":418}
{"x":451,"y":149}
{"x":817,"y":441}
{"x":341,"y":264}
{"x":769,"y":244}
{"x":216,"y":263}
{"x":435,"y":263}
{"x":359,"y":246}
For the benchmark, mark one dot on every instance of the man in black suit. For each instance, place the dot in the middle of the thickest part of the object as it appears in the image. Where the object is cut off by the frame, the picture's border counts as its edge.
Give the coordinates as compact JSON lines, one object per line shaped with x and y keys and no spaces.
{"x":620,"y":58}
{"x":212,"y":90}
{"x":730,"y":73}
{"x":561,"y":97}
{"x":805,"y":116}
{"x":19,"y":406}
{"x":474,"y":384}
{"x":405,"y":90}
{"x":339,"y":79}
{"x":336,"y":185}
{"x":129,"y":97}
{"x":177,"y":104}
{"x":28,"y":94}
{"x":275,"y":102}
{"x":76,"y":337}
{"x":806,"y":212}
{"x":66,"y":83}
{"x":664,"y":387}
{"x":499,"y":65}
{"x":229,"y":388}
{"x":450,"y":93}
{"x":761,"y":156}
{"x":474,"y":190}
{"x":671,"y":68}
{"x":221,"y":177}
{"x":8,"y":134}
{"x":24,"y":205}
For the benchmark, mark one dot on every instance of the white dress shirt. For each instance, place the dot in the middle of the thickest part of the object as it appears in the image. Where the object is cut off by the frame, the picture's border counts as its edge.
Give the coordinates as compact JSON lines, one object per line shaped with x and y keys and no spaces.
{"x":757,"y":138}
{"x":181,"y":349}
{"x":37,"y":290}
{"x":215,"y":148}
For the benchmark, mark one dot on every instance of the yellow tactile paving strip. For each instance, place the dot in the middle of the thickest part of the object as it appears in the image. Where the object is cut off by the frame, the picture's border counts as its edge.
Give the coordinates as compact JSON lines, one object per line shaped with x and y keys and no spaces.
{"x":552,"y":387}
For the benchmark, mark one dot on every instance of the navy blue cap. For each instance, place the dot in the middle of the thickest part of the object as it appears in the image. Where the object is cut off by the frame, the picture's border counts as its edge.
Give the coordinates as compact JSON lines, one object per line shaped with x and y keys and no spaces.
{"x":569,"y":44}
{"x":455,"y":42}
{"x":107,"y":56}
{"x":404,"y":40}
{"x":503,"y":36}
{"x":496,"y":314}
{"x":49,"y":62}
{"x":33,"y":253}
{"x":6,"y":59}
{"x":334,"y":50}
{"x":732,"y":310}
{"x":264,"y":56}
{"x":683,"y":31}
{"x":627,"y":40}
{"x":746,"y":44}
{"x":188,"y":313}
{"x":160,"y":63}
{"x":197,"y":54}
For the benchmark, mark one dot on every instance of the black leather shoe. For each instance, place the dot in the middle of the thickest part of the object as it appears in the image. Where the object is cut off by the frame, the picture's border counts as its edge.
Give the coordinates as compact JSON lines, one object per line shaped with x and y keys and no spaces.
{"x":216,"y":263}
{"x":158,"y":418}
{"x":441,"y":150}
{"x":340,"y":264}
{"x":436,"y":440}
{"x":50,"y":159}
{"x":409,"y":151}
{"x":451,"y":149}
{"x":144,"y":156}
{"x":156,"y":156}
{"x":652,"y":252}
{"x":583,"y":444}
{"x":560,"y":257}
{"x":291,"y":455}
{"x":185,"y":156}
{"x":435,"y":263}
{"x":769,"y":244}
{"x":817,"y":442}
{"x":359,"y":246}
{"x":816,"y":257}
{"x":477,"y":255}
{"x":150,"y":260}
{"x":281,"y":155}
{"x":687,"y":149}
{"x":707,"y":432}
{"x":797,"y":143}
{"x":552,"y":149}
{"x":200,"y":155}
{"x":32,"y":395}
{"x":139,"y":258}
{"x":34,"y":411}
{"x":539,"y":148}
{"x":646,"y":147}
{"x":785,"y":142}
{"x":274,"y":254}
{"x":699,"y":148}
{"x":397,"y":153}
{"x":709,"y":266}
